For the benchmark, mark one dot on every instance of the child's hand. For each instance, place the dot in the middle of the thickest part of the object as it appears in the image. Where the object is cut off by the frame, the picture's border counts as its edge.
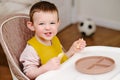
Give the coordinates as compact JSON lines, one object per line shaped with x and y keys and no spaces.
{"x":77,"y":46}
{"x":80,"y":44}
{"x":53,"y":64}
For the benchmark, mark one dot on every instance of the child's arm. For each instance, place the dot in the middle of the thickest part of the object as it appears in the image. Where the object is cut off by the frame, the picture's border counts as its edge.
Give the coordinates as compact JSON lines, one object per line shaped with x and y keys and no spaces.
{"x":31,"y":63}
{"x":35,"y":71}
{"x":76,"y":46}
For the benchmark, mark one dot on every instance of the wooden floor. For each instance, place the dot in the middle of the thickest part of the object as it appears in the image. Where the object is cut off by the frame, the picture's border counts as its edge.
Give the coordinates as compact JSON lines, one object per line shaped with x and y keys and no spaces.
{"x":102,"y":37}
{"x":5,"y":73}
{"x":4,"y":70}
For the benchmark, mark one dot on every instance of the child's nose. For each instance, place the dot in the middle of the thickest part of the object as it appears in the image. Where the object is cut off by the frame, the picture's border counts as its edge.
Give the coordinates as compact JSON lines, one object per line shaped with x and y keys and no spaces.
{"x":47,"y":27}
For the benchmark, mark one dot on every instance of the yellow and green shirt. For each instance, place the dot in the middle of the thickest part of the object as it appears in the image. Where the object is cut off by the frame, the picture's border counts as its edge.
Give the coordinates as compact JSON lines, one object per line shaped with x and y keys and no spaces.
{"x":47,"y":52}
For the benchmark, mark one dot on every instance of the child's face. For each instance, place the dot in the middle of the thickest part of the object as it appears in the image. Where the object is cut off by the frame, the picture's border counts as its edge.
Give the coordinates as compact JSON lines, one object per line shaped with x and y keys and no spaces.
{"x":45,"y":24}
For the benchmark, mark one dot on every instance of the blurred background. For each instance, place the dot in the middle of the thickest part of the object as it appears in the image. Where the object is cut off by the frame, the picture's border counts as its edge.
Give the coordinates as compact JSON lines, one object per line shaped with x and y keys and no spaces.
{"x":104,"y":13}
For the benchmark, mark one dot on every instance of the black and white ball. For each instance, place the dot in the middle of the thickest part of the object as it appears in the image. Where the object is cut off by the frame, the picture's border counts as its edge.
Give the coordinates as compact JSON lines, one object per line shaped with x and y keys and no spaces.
{"x":87,"y":27}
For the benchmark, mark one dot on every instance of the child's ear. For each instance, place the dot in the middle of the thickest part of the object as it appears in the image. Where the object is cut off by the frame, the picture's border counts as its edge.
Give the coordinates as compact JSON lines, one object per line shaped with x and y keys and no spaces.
{"x":30,"y":25}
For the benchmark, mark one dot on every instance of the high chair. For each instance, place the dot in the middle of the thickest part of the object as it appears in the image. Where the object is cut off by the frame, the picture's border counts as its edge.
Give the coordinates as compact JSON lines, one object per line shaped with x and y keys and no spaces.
{"x":13,"y":37}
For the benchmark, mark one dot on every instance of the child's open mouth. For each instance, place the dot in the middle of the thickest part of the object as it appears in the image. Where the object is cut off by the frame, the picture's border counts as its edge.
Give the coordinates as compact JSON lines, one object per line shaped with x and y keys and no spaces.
{"x":48,"y":33}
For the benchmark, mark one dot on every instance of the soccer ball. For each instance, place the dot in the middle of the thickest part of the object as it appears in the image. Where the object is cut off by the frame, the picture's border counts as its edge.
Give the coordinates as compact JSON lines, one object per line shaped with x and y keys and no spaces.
{"x":87,"y":27}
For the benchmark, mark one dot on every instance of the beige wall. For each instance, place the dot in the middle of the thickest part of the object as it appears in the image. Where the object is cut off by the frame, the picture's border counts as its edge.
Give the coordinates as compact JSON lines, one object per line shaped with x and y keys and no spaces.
{"x":104,"y":12}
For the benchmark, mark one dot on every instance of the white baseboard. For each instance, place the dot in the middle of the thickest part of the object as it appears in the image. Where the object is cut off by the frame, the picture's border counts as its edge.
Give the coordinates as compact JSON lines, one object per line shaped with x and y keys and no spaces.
{"x":105,"y":23}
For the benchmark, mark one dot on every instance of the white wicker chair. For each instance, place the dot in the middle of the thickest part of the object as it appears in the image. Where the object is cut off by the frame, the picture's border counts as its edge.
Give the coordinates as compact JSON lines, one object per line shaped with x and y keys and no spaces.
{"x":13,"y":37}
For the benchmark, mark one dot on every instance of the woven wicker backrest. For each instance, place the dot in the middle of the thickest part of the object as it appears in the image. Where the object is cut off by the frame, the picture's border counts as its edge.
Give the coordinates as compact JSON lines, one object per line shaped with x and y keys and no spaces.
{"x":14,"y":35}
